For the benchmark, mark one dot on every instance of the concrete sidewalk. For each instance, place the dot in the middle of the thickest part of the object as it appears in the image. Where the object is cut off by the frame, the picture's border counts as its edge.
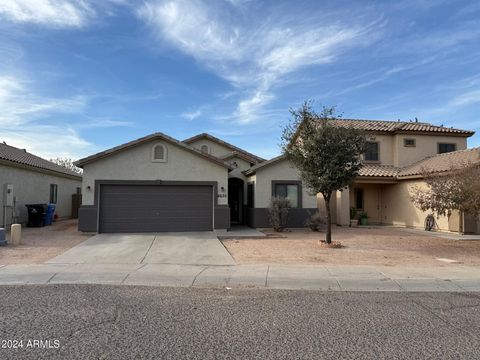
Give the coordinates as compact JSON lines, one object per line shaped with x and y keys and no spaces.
{"x":455,"y":278}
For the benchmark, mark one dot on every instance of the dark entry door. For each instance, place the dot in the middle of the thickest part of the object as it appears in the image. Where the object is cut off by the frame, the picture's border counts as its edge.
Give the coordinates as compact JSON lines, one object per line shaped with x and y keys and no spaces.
{"x":155,"y":208}
{"x":235,"y":200}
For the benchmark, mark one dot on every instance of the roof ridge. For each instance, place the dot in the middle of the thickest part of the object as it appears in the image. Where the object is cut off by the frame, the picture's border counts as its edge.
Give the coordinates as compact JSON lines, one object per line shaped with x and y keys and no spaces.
{"x":223,"y":142}
{"x":150,"y":137}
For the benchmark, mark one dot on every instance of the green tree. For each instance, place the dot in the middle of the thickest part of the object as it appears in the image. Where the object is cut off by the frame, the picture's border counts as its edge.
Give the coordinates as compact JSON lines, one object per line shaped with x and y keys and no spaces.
{"x":456,"y":189}
{"x":326,"y":156}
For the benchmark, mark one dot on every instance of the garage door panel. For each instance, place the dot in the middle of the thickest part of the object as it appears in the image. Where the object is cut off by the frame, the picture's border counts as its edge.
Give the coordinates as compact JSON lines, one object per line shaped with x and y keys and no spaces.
{"x":145,"y":208}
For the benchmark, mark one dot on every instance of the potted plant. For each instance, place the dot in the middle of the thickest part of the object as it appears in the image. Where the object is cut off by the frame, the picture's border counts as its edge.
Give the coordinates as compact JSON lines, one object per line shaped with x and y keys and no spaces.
{"x":363,"y":218}
{"x":353,"y":221}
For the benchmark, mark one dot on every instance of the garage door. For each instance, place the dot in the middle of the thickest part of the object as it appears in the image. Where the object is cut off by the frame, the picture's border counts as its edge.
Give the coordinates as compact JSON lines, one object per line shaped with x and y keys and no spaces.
{"x":145,"y":208}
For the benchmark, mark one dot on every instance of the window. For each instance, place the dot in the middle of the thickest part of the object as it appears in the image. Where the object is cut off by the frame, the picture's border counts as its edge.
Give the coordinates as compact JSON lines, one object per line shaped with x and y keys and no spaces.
{"x":359,"y":198}
{"x":371,"y":153}
{"x":204,"y":149}
{"x":159,"y":153}
{"x":409,"y":142}
{"x":53,"y":193}
{"x":446,"y":147}
{"x":289,"y":190}
{"x":250,"y":195}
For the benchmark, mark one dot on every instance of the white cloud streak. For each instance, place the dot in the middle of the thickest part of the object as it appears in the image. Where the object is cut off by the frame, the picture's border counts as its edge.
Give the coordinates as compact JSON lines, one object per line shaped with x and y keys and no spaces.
{"x":52,"y":13}
{"x":255,"y":57}
{"x":24,"y":121}
{"x":466,"y":99}
{"x":192,"y":115}
{"x":21,"y":106}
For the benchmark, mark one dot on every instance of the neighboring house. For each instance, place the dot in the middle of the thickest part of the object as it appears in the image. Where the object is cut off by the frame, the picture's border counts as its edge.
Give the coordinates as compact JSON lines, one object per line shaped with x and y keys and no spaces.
{"x":28,"y":179}
{"x":157,"y":183}
{"x":398,"y":154}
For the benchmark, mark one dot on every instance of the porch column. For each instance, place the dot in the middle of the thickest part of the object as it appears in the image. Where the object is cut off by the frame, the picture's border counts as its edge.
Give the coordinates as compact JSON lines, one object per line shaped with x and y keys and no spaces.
{"x":343,"y":207}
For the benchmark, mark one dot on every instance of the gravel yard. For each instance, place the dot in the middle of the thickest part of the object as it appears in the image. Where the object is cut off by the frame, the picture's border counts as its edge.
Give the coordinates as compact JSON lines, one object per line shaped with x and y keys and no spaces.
{"x":42,"y":244}
{"x":362,"y":246}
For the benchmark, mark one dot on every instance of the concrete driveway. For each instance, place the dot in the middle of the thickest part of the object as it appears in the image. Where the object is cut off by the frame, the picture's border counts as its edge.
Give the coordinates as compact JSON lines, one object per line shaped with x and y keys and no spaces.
{"x":192,"y":248}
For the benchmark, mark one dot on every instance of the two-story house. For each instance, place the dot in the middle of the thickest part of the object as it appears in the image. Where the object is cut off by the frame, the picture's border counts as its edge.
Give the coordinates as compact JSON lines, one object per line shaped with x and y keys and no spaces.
{"x":397,"y":156}
{"x":158,"y":183}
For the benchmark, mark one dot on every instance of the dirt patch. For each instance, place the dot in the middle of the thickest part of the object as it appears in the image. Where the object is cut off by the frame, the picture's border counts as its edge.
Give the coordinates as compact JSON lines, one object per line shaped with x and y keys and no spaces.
{"x":361,"y":246}
{"x":42,"y":244}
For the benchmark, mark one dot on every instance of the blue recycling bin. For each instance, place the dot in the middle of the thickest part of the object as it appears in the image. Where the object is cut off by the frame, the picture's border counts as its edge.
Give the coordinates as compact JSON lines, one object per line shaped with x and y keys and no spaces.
{"x":49,"y":214}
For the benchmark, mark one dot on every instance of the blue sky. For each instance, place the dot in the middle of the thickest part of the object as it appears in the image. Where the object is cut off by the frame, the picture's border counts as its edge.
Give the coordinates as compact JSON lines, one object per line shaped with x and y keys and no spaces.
{"x":77,"y":77}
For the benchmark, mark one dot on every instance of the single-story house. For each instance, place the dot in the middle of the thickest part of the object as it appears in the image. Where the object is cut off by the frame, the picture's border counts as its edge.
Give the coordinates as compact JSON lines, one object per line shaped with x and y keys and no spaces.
{"x":28,"y":179}
{"x":158,"y":183}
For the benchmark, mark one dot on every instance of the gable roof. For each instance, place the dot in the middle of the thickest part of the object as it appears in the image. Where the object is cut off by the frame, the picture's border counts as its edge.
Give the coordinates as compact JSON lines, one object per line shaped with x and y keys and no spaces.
{"x":388,"y":126}
{"x":272,"y":161}
{"x":367,"y":170}
{"x":15,"y":155}
{"x":433,"y":164}
{"x":442,"y":162}
{"x":239,"y":152}
{"x":154,"y":136}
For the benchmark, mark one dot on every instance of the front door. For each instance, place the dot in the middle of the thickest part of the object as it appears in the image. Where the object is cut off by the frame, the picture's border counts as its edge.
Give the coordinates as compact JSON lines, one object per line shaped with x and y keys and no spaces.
{"x":235,"y":200}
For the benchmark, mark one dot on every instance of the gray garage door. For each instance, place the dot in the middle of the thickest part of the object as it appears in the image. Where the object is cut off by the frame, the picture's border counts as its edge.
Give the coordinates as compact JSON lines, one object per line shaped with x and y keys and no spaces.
{"x":145,"y":208}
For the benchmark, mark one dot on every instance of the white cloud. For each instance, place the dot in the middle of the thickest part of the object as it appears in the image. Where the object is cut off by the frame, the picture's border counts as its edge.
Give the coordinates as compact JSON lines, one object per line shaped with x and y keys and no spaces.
{"x":23,"y":120}
{"x":53,"y":13}
{"x":48,"y":141}
{"x":192,"y":115}
{"x":254,"y":56}
{"x":104,"y":123}
{"x":20,"y":105}
{"x":467,"y":98}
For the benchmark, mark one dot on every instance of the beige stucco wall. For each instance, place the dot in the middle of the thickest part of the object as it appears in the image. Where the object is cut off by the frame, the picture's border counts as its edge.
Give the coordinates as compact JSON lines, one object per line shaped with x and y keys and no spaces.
{"x":136,"y":164}
{"x":385,"y":147}
{"x":32,"y":187}
{"x":333,"y":207}
{"x":343,"y":207}
{"x":372,"y":198}
{"x":392,"y":151}
{"x":281,"y":170}
{"x":398,"y":209}
{"x":426,"y":145}
{"x":242,"y":165}
{"x":215,"y":148}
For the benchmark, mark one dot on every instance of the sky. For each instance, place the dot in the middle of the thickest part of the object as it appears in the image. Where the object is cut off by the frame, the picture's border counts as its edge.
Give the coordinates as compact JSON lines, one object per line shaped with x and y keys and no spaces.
{"x":78,"y":77}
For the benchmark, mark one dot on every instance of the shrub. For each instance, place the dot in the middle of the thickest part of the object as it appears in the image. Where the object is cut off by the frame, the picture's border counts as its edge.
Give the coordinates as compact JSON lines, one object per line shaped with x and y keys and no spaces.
{"x":278,"y":213}
{"x":315,"y":221}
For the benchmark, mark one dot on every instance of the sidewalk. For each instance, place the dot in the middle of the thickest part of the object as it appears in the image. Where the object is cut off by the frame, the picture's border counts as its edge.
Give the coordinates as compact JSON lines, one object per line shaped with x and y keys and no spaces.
{"x":456,"y":278}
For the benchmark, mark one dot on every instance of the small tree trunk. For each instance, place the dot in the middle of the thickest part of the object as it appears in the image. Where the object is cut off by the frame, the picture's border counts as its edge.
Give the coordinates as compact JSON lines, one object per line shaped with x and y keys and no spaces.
{"x":328,"y":237}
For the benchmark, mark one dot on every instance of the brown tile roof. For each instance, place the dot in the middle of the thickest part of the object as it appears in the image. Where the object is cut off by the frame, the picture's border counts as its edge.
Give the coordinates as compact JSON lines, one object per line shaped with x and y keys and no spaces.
{"x":377,"y":170}
{"x":245,"y":154}
{"x":22,"y":157}
{"x":442,"y":162}
{"x":399,"y":127}
{"x":154,"y":136}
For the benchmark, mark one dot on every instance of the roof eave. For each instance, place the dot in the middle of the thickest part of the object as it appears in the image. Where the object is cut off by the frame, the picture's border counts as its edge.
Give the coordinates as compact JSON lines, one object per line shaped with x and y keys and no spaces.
{"x":95,"y":157}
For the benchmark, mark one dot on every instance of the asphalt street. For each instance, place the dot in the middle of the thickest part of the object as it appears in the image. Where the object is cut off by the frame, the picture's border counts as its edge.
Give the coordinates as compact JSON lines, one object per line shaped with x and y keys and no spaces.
{"x":127,"y":322}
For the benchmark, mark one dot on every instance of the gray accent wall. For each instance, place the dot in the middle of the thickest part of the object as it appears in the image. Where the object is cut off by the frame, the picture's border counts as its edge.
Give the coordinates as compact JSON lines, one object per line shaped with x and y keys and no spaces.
{"x":258,"y":217}
{"x":222,"y":217}
{"x":88,"y":218}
